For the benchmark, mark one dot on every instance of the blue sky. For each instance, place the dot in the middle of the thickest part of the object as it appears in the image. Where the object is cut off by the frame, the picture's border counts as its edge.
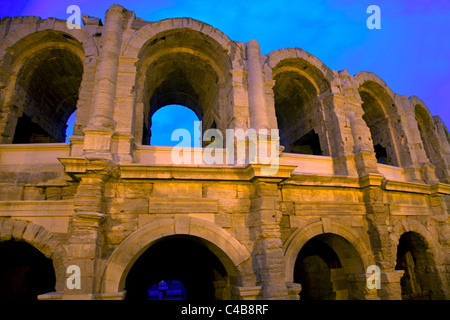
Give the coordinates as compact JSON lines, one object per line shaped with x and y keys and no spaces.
{"x":411,"y":52}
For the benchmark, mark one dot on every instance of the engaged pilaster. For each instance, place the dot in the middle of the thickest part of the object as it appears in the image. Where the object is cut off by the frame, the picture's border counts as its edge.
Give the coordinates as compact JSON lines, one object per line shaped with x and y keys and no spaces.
{"x":383,"y":248}
{"x":268,"y":252}
{"x":88,"y":221}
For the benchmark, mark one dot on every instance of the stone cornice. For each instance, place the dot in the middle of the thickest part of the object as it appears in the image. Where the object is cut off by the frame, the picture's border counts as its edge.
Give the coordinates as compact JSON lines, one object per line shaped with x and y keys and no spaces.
{"x":203,"y":172}
{"x":75,"y":167}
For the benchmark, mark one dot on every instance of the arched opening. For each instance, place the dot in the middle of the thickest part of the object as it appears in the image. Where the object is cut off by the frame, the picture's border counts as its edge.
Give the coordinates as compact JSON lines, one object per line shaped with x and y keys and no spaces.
{"x":376,"y":104}
{"x":25,"y":272}
{"x":431,"y":144}
{"x":170,"y":118}
{"x":322,"y":268}
{"x":47,"y":93}
{"x":184,"y":259}
{"x":420,"y":280}
{"x":183,"y":67}
{"x":297,"y":107}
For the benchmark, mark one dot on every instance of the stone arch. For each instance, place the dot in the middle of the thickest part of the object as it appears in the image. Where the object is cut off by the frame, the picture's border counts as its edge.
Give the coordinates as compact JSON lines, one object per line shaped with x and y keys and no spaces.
{"x":414,"y":100}
{"x":300,"y":237}
{"x":186,"y":62}
{"x":229,"y":250}
{"x":89,"y":46}
{"x":321,"y":74}
{"x":365,"y":76}
{"x":431,"y":142}
{"x":34,"y":46}
{"x":382,"y":117}
{"x":301,"y":82}
{"x":37,"y":236}
{"x":412,"y":225}
{"x":426,"y":260}
{"x":141,"y":36}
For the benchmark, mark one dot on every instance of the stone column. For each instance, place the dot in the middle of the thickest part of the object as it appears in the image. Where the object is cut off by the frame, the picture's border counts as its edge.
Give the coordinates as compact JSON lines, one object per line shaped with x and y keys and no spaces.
{"x":268,"y":249}
{"x":240,"y":100}
{"x":365,"y":160}
{"x":124,"y":113}
{"x":107,"y":69}
{"x":335,"y":126}
{"x":378,"y":220}
{"x":362,"y":149}
{"x":256,"y":98}
{"x":100,"y":128}
{"x":406,"y":134}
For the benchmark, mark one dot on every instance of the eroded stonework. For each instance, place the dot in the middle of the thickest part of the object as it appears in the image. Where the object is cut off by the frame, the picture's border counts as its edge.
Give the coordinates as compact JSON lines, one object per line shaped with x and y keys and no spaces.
{"x":363,"y":178}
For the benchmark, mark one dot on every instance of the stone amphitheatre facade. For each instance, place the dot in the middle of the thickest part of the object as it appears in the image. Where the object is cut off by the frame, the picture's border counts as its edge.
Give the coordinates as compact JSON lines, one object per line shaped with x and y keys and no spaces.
{"x":363,"y":178}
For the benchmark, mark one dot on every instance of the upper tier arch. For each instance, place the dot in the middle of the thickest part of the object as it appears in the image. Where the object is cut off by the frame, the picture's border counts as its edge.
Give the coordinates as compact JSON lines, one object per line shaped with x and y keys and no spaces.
{"x":140,"y":38}
{"x":319,"y":74}
{"x":11,"y":43}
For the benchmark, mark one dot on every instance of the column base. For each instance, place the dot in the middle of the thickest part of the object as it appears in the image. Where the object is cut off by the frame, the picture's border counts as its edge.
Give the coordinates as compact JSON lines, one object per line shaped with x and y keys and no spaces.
{"x":390,"y":285}
{"x":294,"y":290}
{"x":359,"y":289}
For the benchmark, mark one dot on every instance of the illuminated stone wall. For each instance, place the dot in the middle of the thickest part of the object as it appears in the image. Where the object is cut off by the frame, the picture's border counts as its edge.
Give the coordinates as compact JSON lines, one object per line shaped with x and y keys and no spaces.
{"x":363,"y":179}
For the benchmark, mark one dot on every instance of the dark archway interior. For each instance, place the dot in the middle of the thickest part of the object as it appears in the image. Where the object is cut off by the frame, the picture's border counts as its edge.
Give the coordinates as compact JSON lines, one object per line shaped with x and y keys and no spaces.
{"x":185,"y":259}
{"x":295,"y":110}
{"x":374,"y":105}
{"x":313,"y":270}
{"x":181,"y":79}
{"x":187,"y":68}
{"x":25,"y":272}
{"x":381,"y":154}
{"x":307,"y":144}
{"x":49,"y":82}
{"x":419,"y":282}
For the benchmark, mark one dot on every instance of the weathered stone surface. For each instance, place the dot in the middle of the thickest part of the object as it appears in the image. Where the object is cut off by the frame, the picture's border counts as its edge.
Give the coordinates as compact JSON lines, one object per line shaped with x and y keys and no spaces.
{"x":362,"y":181}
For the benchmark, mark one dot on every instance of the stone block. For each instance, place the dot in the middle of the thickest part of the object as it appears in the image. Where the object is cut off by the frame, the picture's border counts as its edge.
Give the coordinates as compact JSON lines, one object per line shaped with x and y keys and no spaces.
{"x":116,"y":237}
{"x":30,"y":232}
{"x":19,"y":228}
{"x":82,"y":251}
{"x":7,"y":230}
{"x":84,"y":237}
{"x":219,"y":191}
{"x":227,"y":205}
{"x":68,"y":192}
{"x":128,"y":205}
{"x":10,"y":192}
{"x":223,"y":220}
{"x":53,"y":193}
{"x":175,"y":206}
{"x":134,"y":190}
{"x":33,"y":193}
